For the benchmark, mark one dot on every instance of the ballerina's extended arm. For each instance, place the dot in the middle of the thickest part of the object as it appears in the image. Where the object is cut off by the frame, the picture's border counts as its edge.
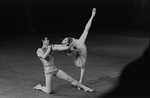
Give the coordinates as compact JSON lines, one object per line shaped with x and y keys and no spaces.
{"x":59,"y":47}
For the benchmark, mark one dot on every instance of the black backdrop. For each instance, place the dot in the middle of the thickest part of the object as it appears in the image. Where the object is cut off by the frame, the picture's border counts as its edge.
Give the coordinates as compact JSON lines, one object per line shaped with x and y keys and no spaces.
{"x":71,"y":15}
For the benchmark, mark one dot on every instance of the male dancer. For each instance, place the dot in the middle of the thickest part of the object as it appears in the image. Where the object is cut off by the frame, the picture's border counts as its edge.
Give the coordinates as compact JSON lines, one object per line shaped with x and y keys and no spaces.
{"x":78,"y":47}
{"x":46,"y":55}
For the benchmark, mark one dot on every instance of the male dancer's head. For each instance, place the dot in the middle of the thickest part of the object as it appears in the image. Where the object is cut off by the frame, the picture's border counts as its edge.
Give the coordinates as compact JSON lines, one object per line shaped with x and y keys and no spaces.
{"x":45,"y":43}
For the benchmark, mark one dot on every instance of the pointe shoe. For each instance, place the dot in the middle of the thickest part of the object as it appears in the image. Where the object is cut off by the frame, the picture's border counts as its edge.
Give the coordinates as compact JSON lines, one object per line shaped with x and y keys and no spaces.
{"x":94,"y":11}
{"x":79,"y":88}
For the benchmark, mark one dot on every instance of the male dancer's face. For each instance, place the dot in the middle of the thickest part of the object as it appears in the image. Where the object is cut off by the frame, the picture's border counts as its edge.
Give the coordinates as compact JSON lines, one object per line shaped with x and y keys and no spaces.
{"x":45,"y":42}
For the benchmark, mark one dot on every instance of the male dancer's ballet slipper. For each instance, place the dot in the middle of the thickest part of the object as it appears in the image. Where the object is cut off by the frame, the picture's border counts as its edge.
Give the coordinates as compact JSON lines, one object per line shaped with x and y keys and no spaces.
{"x":89,"y":90}
{"x":39,"y":88}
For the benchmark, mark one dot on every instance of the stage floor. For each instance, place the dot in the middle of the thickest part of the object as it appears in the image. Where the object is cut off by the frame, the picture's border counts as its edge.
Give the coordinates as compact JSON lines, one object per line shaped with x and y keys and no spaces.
{"x":21,"y":70}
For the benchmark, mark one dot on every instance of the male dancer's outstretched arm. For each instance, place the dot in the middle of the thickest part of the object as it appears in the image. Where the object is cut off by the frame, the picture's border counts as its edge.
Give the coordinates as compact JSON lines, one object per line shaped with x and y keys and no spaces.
{"x":87,"y":27}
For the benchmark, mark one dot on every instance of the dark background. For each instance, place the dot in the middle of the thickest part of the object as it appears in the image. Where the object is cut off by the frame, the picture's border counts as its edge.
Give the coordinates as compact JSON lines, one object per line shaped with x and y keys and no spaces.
{"x":24,"y":22}
{"x":31,"y":17}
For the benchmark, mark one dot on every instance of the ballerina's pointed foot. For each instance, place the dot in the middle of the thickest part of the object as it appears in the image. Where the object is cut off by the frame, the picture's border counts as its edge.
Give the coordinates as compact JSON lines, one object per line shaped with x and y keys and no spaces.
{"x":80,"y":81}
{"x":94,"y":11}
{"x":79,"y":88}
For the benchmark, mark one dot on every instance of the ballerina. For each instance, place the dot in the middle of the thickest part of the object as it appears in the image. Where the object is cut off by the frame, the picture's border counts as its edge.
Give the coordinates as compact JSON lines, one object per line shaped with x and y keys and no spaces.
{"x":78,"y":47}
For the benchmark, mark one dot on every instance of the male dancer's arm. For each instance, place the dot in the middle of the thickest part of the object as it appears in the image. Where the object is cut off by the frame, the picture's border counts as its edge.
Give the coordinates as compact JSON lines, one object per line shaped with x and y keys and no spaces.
{"x":41,"y":54}
{"x":87,"y":27}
